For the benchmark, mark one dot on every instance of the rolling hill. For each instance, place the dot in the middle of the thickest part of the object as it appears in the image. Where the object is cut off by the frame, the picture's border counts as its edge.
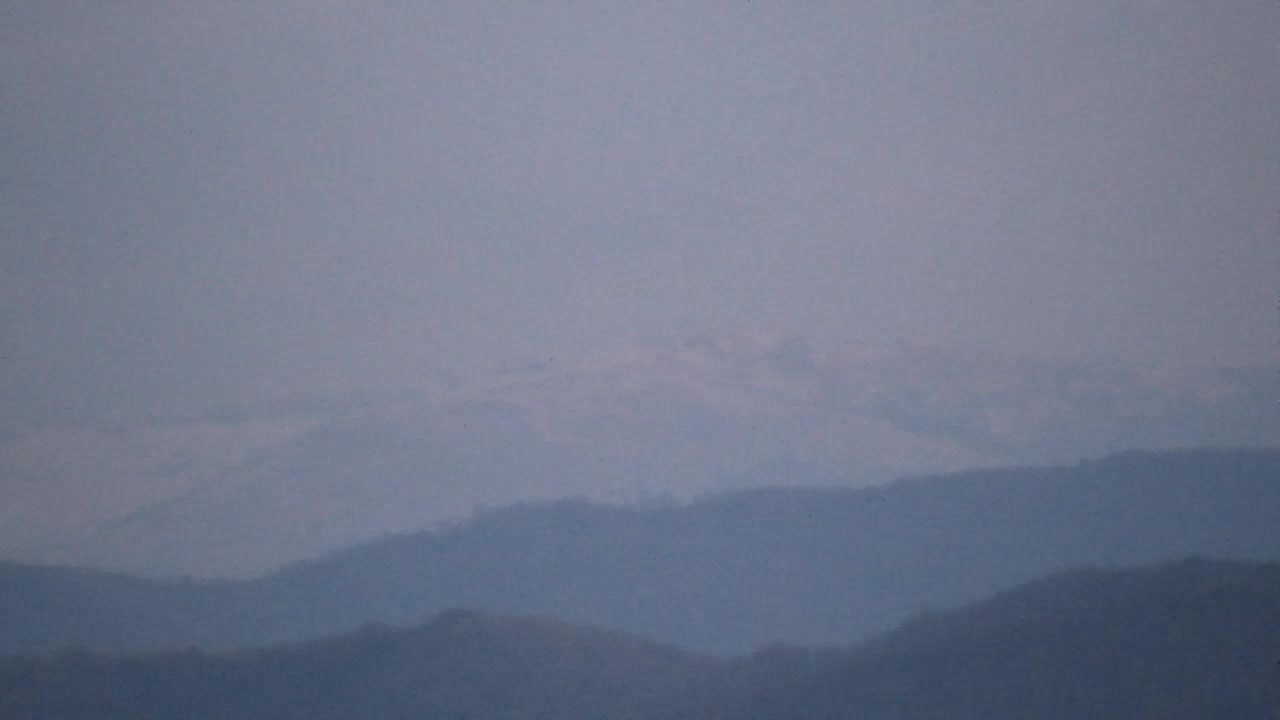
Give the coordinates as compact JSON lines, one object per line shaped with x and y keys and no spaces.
{"x":1192,"y":639}
{"x":219,"y":494}
{"x":461,"y":665}
{"x":726,"y":575}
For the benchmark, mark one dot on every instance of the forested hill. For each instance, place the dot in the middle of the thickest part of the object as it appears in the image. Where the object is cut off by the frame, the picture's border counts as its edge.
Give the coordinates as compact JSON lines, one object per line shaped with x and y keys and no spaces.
{"x":461,"y":665}
{"x":1194,"y":639}
{"x":726,"y":574}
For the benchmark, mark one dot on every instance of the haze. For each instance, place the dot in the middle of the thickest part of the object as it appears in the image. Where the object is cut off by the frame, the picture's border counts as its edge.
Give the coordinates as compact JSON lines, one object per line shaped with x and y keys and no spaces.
{"x":276,"y":278}
{"x":224,"y":201}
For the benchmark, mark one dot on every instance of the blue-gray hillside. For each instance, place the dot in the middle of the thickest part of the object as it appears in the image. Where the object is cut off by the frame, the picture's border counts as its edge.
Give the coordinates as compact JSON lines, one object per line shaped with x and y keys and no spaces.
{"x":1193,"y":640}
{"x":726,"y":574}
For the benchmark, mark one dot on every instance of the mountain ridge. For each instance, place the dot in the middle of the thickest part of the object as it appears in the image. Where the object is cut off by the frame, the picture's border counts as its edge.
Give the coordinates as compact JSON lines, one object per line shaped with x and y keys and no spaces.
{"x":214,"y":495}
{"x":726,"y":574}
{"x":1190,"y":639}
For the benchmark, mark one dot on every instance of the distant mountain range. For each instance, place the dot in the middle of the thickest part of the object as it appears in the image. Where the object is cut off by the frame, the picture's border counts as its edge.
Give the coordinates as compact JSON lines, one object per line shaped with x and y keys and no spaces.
{"x":726,"y":574}
{"x":241,"y":491}
{"x":1195,"y":639}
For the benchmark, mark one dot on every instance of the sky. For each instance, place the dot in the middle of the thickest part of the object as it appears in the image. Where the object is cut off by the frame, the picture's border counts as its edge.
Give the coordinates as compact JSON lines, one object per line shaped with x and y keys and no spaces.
{"x":216,"y":202}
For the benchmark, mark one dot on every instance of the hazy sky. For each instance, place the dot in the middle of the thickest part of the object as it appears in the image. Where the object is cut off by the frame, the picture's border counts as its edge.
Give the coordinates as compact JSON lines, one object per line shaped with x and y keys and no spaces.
{"x":217,"y":201}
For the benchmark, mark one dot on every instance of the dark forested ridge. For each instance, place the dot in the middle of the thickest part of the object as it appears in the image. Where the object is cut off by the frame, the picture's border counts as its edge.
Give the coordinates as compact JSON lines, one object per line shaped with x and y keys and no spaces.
{"x":461,"y":665}
{"x":727,"y":574}
{"x":1195,"y":640}
{"x":1192,"y":639}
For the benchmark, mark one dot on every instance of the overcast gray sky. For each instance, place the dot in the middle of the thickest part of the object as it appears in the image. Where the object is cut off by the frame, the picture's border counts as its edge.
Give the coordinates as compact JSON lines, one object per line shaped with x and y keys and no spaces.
{"x":214,"y":201}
